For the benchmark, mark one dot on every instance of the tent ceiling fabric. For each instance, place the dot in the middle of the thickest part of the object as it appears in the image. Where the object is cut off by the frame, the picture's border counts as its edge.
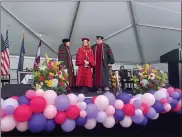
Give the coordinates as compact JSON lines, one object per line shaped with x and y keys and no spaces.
{"x":158,"y":25}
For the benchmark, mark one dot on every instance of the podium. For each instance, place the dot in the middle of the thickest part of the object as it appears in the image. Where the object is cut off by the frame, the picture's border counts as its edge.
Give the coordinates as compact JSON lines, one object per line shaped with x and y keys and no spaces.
{"x":174,"y":60}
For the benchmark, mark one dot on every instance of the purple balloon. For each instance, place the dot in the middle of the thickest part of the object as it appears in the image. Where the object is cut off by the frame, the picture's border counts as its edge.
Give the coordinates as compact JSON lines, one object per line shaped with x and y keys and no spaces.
{"x":50,"y":125}
{"x":91,"y":111}
{"x":69,"y":125}
{"x":137,"y":103}
{"x":119,"y":115}
{"x":151,"y":113}
{"x":145,"y":121}
{"x":62,"y":102}
{"x":23,"y":100}
{"x":170,"y":100}
{"x":174,"y":103}
{"x":110,"y":97}
{"x":158,"y":106}
{"x":81,"y":121}
{"x":88,"y":100}
{"x":9,"y":110}
{"x":175,"y":95}
{"x":125,"y":97}
{"x":151,"y":92}
{"x":137,"y":119}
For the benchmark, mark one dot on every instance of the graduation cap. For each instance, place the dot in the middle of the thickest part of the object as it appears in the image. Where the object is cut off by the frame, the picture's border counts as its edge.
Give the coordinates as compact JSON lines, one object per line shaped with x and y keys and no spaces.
{"x":99,"y":37}
{"x":65,"y":40}
{"x":85,"y":39}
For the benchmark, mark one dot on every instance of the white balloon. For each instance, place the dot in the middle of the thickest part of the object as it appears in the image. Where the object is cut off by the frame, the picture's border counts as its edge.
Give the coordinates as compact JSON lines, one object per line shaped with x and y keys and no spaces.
{"x":162,"y":93}
{"x":73,"y":99}
{"x":82,"y":105}
{"x":133,"y":99}
{"x":138,"y":112}
{"x":81,"y":97}
{"x":139,"y":96}
{"x":8,"y":123}
{"x":2,"y":102}
{"x":40,"y":92}
{"x":148,"y":99}
{"x":126,"y":122}
{"x":156,"y":117}
{"x":22,"y":126}
{"x":101,"y":102}
{"x":50,"y":97}
{"x":10,"y":102}
{"x":109,"y":122}
{"x":101,"y":116}
{"x":167,"y":107}
{"x":90,"y":124}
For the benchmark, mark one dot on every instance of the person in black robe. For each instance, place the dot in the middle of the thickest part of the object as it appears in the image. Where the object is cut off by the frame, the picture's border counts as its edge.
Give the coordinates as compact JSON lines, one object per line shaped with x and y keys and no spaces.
{"x":104,"y":58}
{"x":64,"y":56}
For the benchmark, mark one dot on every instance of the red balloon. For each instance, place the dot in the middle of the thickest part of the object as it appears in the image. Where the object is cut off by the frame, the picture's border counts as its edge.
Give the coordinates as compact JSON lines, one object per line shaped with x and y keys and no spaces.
{"x":38,"y":104}
{"x":93,"y":99}
{"x":73,"y":112}
{"x":60,"y":117}
{"x":15,"y":97}
{"x":144,"y":108}
{"x":22,"y":113}
{"x":177,"y":108}
{"x":129,"y":109}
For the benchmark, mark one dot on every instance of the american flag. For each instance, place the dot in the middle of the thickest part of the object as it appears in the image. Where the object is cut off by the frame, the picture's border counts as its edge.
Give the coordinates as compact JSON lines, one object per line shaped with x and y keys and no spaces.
{"x":5,"y":58}
{"x":37,"y":58}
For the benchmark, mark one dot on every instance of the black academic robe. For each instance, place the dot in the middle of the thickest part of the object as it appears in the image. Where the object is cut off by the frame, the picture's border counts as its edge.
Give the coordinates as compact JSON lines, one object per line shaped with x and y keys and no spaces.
{"x":64,"y":56}
{"x":103,"y":56}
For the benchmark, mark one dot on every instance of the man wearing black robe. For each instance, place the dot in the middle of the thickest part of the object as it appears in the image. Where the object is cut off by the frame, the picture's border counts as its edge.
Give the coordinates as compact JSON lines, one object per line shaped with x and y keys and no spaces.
{"x":104,"y":59}
{"x":64,"y":56}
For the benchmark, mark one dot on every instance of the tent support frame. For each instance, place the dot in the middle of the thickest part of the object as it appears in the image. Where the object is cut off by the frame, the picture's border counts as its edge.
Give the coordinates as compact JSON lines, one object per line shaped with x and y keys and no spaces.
{"x":29,"y":29}
{"x":74,"y":19}
{"x":138,"y":40}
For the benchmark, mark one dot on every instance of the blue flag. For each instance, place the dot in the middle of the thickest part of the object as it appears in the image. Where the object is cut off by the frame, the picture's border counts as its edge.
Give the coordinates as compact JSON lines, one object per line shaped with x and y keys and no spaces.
{"x":21,"y":57}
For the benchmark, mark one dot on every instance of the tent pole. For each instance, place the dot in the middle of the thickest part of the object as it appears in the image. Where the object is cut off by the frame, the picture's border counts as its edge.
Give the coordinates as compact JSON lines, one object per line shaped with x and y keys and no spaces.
{"x":74,"y":19}
{"x":29,"y":29}
{"x":138,"y":40}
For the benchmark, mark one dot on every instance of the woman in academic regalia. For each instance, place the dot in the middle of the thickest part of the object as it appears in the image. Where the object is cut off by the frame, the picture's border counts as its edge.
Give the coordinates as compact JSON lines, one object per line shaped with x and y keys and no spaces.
{"x":85,"y":62}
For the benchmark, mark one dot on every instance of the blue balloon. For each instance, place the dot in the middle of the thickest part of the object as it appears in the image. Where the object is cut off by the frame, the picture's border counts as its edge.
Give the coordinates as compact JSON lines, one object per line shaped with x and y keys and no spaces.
{"x":23,"y":100}
{"x":174,"y":103}
{"x":119,"y":115}
{"x":175,"y":95}
{"x":125,"y":97}
{"x":69,"y":125}
{"x":151,"y":92}
{"x":88,"y":100}
{"x":159,"y":108}
{"x":50,"y":125}
{"x":81,"y":121}
{"x":37,"y":123}
{"x":137,"y":119}
{"x":145,"y":121}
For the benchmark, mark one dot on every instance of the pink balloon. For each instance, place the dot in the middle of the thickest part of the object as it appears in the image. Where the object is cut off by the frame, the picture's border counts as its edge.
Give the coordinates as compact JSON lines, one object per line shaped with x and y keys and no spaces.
{"x":118,"y":104}
{"x":83,"y":113}
{"x":170,"y":90}
{"x":50,"y":97}
{"x":30,"y":94}
{"x":15,"y":97}
{"x":8,"y":123}
{"x":90,"y":124}
{"x":163,"y":100}
{"x":22,"y":126}
{"x":110,"y":111}
{"x":50,"y":112}
{"x":167,"y":107}
{"x":40,"y":92}
{"x":178,"y":90}
{"x":2,"y":113}
{"x":73,"y":99}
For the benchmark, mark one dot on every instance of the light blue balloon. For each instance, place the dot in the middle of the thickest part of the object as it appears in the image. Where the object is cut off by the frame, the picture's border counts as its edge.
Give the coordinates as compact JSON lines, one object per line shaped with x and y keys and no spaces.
{"x":69,"y":125}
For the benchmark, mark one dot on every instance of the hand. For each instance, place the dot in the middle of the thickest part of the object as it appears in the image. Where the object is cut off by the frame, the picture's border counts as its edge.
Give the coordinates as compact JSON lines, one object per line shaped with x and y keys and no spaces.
{"x":86,"y":62}
{"x":109,"y":65}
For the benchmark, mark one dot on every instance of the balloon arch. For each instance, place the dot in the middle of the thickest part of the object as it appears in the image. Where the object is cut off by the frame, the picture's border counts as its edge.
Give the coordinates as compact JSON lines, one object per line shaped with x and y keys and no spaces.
{"x":40,"y":110}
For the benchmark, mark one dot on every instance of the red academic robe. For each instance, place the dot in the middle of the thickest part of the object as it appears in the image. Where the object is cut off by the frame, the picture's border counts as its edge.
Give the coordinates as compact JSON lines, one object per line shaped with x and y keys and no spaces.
{"x":84,"y":75}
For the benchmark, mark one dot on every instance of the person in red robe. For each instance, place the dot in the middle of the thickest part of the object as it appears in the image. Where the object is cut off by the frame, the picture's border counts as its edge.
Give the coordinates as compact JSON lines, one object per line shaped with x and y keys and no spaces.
{"x":85,"y":62}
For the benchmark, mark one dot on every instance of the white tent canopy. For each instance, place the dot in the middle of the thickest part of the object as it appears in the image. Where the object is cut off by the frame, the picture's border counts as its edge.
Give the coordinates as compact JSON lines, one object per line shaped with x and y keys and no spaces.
{"x":137,"y":32}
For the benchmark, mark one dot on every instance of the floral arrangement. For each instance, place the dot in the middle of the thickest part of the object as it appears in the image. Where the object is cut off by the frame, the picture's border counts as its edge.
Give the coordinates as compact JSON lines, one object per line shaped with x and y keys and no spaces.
{"x":51,"y":76}
{"x":149,"y":78}
{"x":112,"y":80}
